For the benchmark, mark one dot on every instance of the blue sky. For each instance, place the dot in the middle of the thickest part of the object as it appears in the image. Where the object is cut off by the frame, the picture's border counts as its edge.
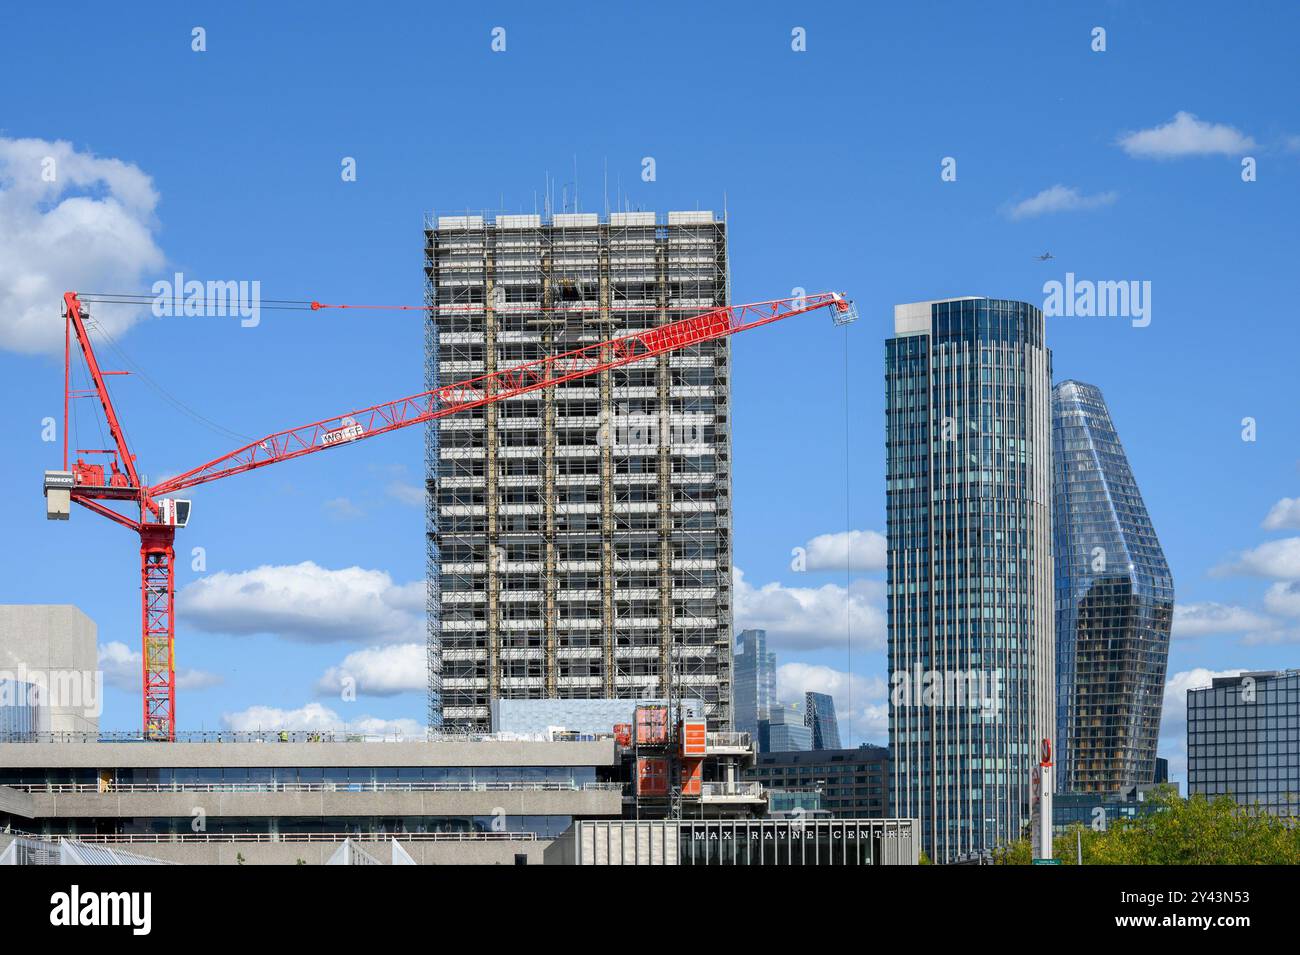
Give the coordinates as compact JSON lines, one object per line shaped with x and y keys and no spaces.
{"x":829,"y":164}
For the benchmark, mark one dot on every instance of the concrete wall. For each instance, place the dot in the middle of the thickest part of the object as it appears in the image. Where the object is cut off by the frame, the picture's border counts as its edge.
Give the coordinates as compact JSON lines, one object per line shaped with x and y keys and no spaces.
{"x":54,"y":637}
{"x":276,"y":804}
{"x":14,"y":802}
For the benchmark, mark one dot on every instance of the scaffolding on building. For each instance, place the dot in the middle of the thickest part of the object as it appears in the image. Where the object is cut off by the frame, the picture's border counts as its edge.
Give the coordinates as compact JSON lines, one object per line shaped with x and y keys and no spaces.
{"x":579,"y":537}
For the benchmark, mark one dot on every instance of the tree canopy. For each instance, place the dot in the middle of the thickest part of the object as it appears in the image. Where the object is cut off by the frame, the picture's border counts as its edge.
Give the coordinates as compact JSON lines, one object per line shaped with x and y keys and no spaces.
{"x":1176,"y":831}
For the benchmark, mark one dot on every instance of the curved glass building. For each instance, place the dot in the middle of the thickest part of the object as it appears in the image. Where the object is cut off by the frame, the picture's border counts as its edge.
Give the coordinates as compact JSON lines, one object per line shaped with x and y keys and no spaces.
{"x":968,"y":497}
{"x":1114,"y":604}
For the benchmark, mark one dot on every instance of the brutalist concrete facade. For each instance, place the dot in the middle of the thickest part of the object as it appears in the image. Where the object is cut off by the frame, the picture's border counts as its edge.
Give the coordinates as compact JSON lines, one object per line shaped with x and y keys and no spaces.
{"x":485,"y":801}
{"x":53,"y":646}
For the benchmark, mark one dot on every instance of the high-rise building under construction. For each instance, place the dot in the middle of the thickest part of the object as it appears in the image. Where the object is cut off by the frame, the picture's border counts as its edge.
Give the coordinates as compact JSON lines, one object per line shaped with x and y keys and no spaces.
{"x":579,"y":536}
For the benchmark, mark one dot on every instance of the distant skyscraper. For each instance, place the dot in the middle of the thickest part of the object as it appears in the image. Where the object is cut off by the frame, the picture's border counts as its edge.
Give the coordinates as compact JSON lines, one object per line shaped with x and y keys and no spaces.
{"x":819,"y":716}
{"x":784,"y":731}
{"x":969,"y":487}
{"x":1114,"y":604}
{"x":755,"y":680}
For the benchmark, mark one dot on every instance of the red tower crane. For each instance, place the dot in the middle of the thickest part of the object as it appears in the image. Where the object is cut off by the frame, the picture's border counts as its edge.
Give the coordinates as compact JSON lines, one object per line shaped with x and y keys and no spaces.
{"x":159,"y":516}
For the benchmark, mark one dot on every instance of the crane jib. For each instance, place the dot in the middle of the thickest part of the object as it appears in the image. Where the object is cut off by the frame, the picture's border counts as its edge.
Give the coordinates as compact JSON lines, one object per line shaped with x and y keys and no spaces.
{"x":161,"y":517}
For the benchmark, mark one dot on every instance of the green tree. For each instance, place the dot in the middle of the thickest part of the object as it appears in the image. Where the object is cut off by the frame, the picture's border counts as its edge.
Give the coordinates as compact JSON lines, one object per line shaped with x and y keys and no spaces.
{"x":1176,"y":831}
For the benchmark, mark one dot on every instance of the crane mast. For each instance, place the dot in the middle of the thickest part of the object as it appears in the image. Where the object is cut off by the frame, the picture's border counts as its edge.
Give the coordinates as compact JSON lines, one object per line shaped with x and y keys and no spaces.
{"x":87,"y":483}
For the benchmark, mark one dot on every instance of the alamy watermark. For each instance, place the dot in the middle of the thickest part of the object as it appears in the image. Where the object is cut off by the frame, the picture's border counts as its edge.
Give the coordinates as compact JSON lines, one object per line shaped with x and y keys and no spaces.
{"x":1084,"y":298}
{"x":178,"y":297}
{"x":948,"y":689}
{"x":53,"y":689}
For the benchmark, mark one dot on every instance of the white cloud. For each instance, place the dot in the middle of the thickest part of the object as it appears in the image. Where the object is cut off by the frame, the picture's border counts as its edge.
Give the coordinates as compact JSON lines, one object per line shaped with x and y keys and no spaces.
{"x":404,"y":492}
{"x":91,"y":229}
{"x":1279,"y":558}
{"x":811,"y":618}
{"x":1185,"y":135}
{"x":121,"y":667}
{"x":1283,"y":598}
{"x":1284,"y":515}
{"x":315,"y":718}
{"x":1271,"y":637}
{"x":861,"y":707}
{"x":307,"y":603}
{"x":380,"y":671}
{"x":866,"y":550}
{"x":1059,"y":198}
{"x":1200,"y":619}
{"x":342,"y":508}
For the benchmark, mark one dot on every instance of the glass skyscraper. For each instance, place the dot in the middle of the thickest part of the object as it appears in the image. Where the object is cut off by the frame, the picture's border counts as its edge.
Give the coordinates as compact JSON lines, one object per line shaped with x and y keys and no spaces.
{"x":819,"y":715}
{"x":1114,"y":604}
{"x":784,"y":730}
{"x":755,"y":676}
{"x":968,"y":496}
{"x":1243,"y":741}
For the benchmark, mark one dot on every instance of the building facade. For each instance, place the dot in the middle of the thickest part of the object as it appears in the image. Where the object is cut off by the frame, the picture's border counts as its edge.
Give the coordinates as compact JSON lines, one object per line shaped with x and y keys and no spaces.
{"x":969,"y":485}
{"x":53,"y":647}
{"x":1099,"y":811}
{"x":21,"y":713}
{"x":755,"y":682}
{"x":1243,"y":741}
{"x":253,"y":795}
{"x":739,"y":842}
{"x":784,"y":730}
{"x":579,"y":537}
{"x":1114,"y":604}
{"x":819,"y":716}
{"x":850,"y":783}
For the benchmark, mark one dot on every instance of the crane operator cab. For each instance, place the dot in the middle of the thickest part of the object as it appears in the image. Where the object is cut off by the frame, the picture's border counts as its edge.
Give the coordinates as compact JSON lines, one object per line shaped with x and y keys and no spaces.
{"x":173,"y":511}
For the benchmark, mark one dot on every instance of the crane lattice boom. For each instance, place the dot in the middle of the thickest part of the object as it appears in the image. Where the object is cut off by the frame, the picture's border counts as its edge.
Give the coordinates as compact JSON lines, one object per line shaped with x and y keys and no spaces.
{"x":88,"y":485}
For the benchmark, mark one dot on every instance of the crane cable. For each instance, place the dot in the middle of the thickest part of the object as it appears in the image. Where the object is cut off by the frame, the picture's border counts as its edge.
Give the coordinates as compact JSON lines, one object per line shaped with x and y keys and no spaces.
{"x":199,"y":418}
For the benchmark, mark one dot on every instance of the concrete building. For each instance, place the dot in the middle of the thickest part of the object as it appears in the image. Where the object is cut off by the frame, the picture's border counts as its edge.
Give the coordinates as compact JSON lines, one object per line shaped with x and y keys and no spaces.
{"x":1114,"y":604}
{"x":970,"y":612}
{"x":53,"y":647}
{"x":1243,"y":741}
{"x":755,"y":681}
{"x":732,"y":842}
{"x":276,"y":802}
{"x":850,"y":783}
{"x":819,"y":717}
{"x":579,"y":537}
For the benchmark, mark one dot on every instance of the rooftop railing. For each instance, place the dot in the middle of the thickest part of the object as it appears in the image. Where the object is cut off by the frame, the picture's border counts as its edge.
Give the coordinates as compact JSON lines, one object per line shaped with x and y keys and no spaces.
{"x":325,"y":787}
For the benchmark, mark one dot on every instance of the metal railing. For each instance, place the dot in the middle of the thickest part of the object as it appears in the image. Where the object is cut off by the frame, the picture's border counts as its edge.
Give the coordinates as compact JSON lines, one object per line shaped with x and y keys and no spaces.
{"x":115,"y":788}
{"x":296,"y":736}
{"x":727,"y":741}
